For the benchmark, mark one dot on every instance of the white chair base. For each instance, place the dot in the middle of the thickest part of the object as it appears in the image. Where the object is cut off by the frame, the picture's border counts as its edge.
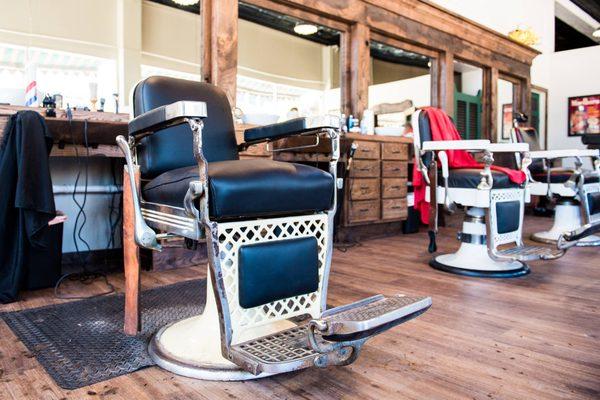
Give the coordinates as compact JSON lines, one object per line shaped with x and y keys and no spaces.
{"x":567,"y":217}
{"x":192,"y":347}
{"x":472,"y":258}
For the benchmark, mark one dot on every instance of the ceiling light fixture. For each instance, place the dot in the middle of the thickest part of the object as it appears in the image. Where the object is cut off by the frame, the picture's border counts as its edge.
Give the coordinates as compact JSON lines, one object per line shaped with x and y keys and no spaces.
{"x":596,"y":33}
{"x":185,"y":2}
{"x":305,"y":29}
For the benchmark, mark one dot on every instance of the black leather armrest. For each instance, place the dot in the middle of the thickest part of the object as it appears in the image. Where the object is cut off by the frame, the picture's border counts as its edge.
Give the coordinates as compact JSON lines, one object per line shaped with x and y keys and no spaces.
{"x":275,"y":131}
{"x":165,"y":116}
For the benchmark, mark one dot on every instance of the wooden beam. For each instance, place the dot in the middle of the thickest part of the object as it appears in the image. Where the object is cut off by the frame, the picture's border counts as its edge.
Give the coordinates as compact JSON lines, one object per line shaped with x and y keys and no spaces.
{"x":206,"y":16}
{"x":131,"y":260}
{"x":489,"y":101}
{"x":359,"y":68}
{"x":220,"y":41}
{"x":445,"y":82}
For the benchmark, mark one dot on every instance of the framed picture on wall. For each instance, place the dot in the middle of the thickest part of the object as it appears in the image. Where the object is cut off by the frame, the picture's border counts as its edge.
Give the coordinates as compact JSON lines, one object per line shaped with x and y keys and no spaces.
{"x":584,"y":115}
{"x":507,"y":117}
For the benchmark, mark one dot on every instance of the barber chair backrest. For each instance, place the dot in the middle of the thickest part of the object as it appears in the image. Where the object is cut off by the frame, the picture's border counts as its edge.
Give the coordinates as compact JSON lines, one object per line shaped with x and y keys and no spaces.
{"x":422,"y":133}
{"x":172,"y":148}
{"x":530,"y":136}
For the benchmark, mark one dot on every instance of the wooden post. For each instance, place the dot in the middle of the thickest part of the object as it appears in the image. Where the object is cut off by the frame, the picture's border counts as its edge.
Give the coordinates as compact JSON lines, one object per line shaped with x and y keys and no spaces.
{"x":446,"y":82}
{"x":131,"y":260}
{"x":220,"y":44}
{"x":360,"y":71}
{"x":489,"y":104}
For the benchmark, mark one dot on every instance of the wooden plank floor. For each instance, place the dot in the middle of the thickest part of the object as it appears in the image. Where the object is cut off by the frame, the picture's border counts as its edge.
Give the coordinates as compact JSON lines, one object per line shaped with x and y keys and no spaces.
{"x":536,"y":337}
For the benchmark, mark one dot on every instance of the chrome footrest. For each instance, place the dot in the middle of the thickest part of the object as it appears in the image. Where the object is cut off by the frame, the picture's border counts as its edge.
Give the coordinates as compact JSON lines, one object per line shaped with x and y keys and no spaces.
{"x":360,"y":319}
{"x":530,"y":253}
{"x":334,"y":339}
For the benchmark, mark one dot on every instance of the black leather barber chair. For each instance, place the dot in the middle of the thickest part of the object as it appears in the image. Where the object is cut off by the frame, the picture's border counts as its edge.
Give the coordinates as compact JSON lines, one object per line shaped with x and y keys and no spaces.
{"x":268,"y":228}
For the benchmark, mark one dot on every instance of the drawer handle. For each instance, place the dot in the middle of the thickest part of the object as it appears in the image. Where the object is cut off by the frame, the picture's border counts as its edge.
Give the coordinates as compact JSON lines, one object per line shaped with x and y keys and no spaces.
{"x":366,"y":150}
{"x":364,"y":169}
{"x":395,"y":151}
{"x":395,"y":169}
{"x":363,"y":210}
{"x":364,"y":188}
{"x":396,"y":187}
{"x":395,"y":207}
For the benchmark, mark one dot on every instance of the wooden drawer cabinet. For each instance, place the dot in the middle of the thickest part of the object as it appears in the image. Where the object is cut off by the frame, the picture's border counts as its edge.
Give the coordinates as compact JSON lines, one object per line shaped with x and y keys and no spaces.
{"x":394,"y":208}
{"x":367,"y":150}
{"x":365,"y":169}
{"x":376,"y":191}
{"x":394,"y":151}
{"x":364,"y":211}
{"x":365,"y":189}
{"x":393,"y":188}
{"x":394,"y":169}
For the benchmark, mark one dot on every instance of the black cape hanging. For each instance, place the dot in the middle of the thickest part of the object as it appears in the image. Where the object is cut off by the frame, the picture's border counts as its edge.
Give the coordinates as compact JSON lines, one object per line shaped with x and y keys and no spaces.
{"x":26,"y":197}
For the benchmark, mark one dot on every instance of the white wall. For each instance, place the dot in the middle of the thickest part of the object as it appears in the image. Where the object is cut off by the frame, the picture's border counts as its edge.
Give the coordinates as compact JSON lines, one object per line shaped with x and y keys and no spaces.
{"x":573,"y":73}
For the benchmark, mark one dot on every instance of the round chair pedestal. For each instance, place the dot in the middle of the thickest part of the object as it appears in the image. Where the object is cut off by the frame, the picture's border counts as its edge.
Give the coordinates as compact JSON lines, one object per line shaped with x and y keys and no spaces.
{"x":472,"y":257}
{"x":473,"y":260}
{"x":567,"y":217}
{"x":192,"y":347}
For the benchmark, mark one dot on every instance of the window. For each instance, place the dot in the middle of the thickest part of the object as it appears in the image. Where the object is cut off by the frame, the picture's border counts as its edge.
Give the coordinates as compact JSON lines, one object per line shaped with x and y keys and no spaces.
{"x":74,"y":76}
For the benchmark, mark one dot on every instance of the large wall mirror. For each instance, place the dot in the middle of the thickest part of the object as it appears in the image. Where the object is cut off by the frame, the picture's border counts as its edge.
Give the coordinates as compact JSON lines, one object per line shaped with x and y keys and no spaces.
{"x":398,"y":77}
{"x":287,"y":67}
{"x":538,"y":118}
{"x":468,"y":90}
{"x":506,"y":92}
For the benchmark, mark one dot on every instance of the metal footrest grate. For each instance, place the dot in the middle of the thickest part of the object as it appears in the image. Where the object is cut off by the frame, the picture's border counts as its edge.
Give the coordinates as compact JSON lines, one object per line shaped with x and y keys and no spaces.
{"x":529,"y":253}
{"x":326,"y":341}
{"x":282,"y":351}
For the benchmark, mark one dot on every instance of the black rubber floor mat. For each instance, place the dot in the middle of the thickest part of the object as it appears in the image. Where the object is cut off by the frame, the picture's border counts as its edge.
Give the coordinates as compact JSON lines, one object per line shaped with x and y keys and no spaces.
{"x":82,"y":342}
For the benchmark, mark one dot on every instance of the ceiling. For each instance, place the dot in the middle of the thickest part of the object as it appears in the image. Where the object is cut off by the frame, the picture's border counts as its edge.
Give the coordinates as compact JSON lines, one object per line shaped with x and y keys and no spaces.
{"x":592,"y":7}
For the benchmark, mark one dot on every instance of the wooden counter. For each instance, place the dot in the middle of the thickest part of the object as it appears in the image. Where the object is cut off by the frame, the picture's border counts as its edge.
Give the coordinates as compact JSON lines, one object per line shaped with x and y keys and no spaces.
{"x":102,"y":130}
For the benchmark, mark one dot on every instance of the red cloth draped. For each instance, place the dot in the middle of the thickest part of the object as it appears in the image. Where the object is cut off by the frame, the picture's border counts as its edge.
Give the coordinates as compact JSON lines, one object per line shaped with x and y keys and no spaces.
{"x":442,"y":128}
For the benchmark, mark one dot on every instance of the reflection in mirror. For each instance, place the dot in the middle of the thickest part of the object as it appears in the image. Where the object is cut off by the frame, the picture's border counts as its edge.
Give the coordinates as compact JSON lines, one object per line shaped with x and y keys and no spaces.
{"x":400,"y":80}
{"x":505,"y":110}
{"x":468,"y":83}
{"x":164,"y":24}
{"x":538,"y":114}
{"x":286,"y":67}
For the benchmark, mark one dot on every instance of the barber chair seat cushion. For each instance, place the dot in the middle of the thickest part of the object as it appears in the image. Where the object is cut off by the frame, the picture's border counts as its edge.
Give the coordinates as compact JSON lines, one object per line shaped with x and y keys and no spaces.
{"x":561,"y":176}
{"x":249,"y":188}
{"x":469,"y":178}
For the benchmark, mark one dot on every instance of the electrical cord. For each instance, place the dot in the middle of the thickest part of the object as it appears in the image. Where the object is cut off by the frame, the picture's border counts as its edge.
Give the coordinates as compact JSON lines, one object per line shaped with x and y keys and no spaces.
{"x":87,"y":276}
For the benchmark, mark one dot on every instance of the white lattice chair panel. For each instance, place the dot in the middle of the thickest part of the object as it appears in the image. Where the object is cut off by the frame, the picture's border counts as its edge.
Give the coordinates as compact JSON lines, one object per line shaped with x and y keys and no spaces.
{"x":499,"y":196}
{"x":233,"y":235}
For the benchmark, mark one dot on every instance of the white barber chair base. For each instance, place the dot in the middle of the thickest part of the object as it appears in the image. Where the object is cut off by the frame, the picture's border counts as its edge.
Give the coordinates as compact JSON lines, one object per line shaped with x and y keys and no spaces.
{"x":567,"y":217}
{"x":192,"y":347}
{"x":473,"y":260}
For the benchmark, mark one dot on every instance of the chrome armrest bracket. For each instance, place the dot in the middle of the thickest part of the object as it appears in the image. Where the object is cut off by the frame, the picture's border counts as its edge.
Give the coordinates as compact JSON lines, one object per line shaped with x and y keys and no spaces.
{"x":487,"y":181}
{"x":144,"y":236}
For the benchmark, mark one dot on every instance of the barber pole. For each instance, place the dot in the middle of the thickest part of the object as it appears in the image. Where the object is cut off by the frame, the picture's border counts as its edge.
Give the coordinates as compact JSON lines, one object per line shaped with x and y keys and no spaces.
{"x":31,"y":99}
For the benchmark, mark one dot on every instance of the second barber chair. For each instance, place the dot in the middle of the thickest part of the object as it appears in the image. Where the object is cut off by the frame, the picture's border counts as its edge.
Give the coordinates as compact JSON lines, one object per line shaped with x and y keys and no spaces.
{"x":491,"y":243}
